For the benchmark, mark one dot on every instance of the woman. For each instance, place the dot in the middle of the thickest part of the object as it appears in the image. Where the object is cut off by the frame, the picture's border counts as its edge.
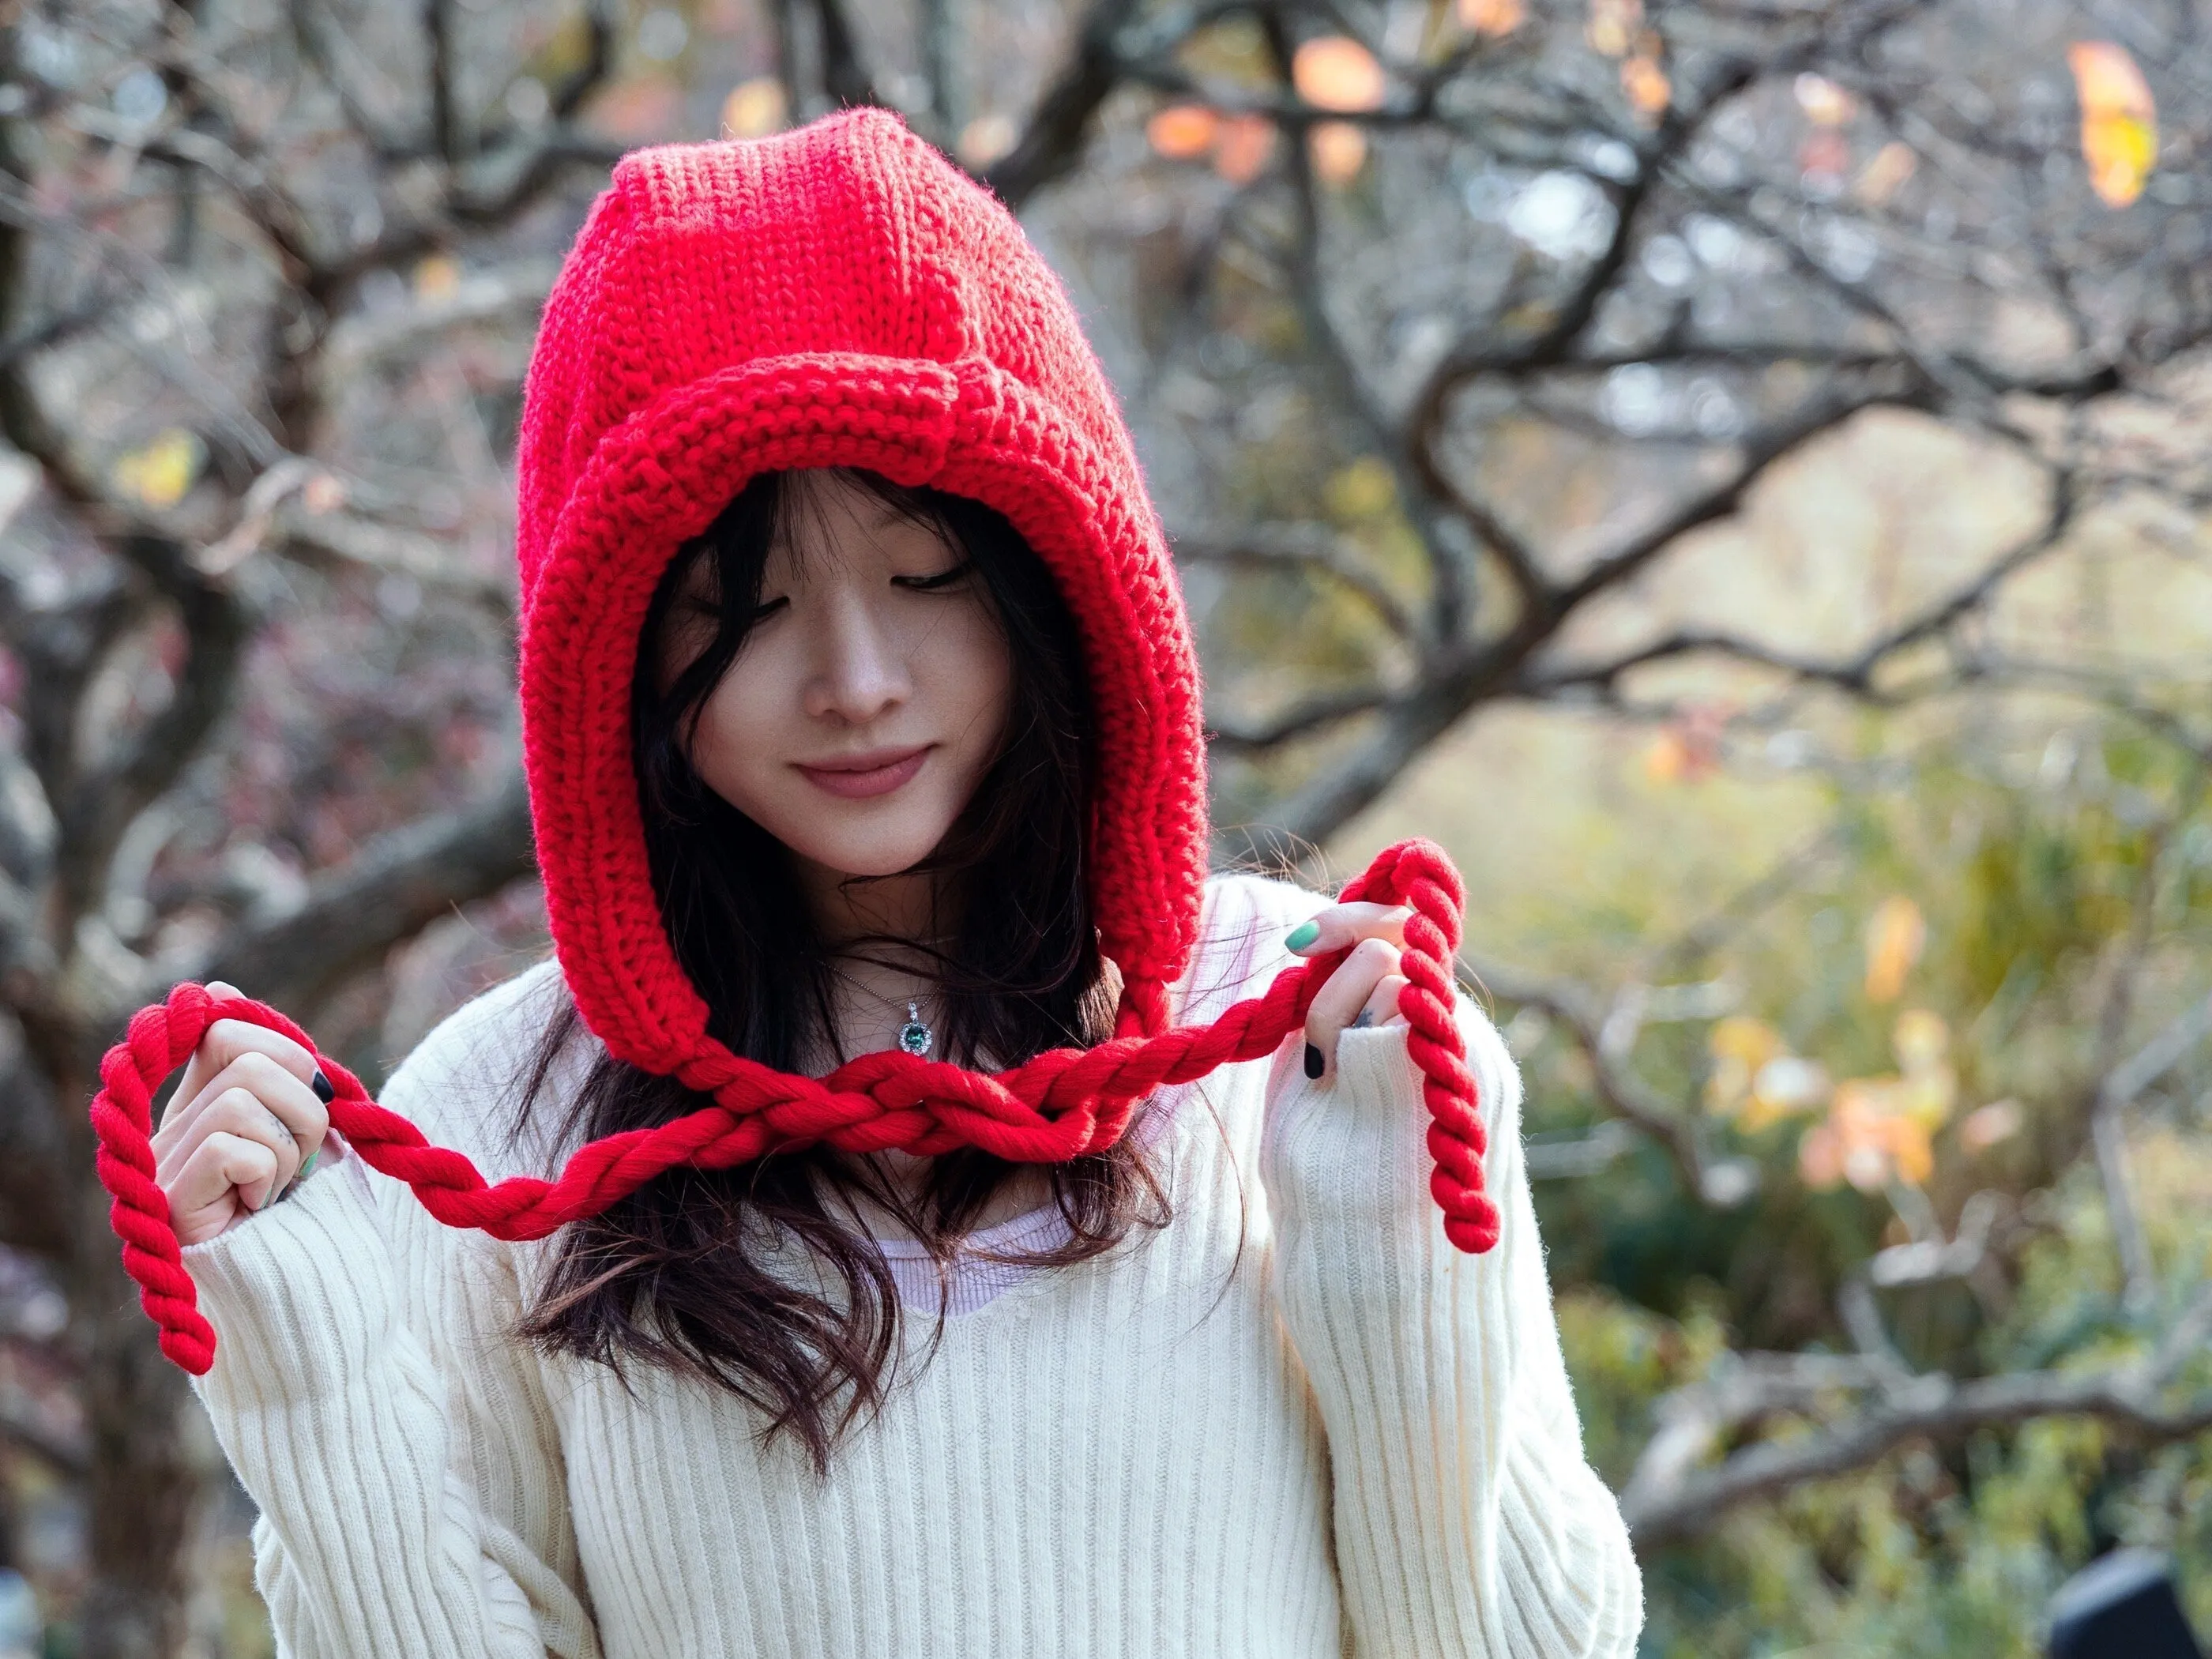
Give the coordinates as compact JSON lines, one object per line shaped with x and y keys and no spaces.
{"x":860,"y":710}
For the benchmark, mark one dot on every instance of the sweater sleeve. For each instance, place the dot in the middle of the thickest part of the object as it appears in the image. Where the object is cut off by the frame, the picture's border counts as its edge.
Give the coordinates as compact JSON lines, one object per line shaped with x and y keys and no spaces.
{"x":398,"y":1441}
{"x":1467,"y":1520}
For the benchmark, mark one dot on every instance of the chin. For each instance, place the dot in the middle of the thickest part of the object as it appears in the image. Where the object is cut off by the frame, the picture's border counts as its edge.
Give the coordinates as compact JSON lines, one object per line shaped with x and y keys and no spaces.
{"x":864,"y":848}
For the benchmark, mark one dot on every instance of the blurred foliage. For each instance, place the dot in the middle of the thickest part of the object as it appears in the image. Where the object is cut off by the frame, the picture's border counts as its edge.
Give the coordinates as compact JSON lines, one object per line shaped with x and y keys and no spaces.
{"x":2039,"y":871}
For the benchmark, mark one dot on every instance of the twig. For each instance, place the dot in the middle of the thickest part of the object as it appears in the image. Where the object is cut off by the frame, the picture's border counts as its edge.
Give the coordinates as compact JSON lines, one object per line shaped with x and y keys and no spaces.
{"x":1050,"y":143}
{"x":1668,"y":1499}
{"x":1723,"y":1185}
{"x":1309,"y":549}
{"x":390,"y":890}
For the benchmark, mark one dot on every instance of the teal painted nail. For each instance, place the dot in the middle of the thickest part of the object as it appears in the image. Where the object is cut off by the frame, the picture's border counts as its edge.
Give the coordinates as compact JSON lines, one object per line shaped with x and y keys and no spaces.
{"x":306,"y":1169}
{"x":1303,"y":935}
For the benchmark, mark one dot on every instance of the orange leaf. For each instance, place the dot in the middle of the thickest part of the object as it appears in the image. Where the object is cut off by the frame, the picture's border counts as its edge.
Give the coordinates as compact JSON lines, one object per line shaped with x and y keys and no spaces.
{"x":1613,"y":26}
{"x":1244,"y":147}
{"x":437,"y":278}
{"x":1895,"y":935}
{"x":1493,"y":17}
{"x":754,"y":108}
{"x":2119,"y":121}
{"x":1646,"y":85}
{"x":1825,"y":103}
{"x":1911,"y":1149}
{"x":1182,"y":132}
{"x":1666,"y":758}
{"x":987,"y":139}
{"x":1339,"y":150}
{"x":1892,"y":165}
{"x":1336,"y":72}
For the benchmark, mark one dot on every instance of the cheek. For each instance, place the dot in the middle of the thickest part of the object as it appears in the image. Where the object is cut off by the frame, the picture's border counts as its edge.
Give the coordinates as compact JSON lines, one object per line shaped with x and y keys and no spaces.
{"x":979,"y":680}
{"x":733,"y":750}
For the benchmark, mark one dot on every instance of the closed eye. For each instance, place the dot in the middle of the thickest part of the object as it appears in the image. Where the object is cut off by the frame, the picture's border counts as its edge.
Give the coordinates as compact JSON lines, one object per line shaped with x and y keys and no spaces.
{"x":761,"y":612}
{"x":942,"y":579}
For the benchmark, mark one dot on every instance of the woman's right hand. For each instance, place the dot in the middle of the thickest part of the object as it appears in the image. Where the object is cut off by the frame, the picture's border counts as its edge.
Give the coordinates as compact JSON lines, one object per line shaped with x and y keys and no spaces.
{"x":247,"y":1117}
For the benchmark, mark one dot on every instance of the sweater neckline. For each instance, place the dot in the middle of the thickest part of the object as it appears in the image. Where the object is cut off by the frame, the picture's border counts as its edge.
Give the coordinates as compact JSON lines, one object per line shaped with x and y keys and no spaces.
{"x":1015,"y":1232}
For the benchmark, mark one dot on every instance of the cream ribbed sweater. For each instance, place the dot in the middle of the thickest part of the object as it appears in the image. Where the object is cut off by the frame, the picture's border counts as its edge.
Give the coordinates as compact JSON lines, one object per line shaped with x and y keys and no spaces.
{"x":1294,"y":1423}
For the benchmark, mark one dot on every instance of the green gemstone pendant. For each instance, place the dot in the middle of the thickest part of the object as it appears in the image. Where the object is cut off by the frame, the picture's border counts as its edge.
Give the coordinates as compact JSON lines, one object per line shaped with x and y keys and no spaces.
{"x":916,"y":1038}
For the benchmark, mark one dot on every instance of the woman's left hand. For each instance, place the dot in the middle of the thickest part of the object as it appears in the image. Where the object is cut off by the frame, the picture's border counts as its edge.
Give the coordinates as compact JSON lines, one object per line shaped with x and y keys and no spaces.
{"x":1364,"y":990}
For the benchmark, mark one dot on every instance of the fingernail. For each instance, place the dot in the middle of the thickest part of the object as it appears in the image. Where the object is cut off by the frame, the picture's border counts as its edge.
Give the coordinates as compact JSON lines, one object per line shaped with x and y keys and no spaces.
{"x":1298,"y":938}
{"x":1314,"y":1062}
{"x":321,"y":1085}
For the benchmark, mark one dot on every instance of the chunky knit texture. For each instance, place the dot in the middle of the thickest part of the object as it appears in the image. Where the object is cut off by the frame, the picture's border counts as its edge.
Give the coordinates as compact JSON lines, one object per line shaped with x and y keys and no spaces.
{"x":1295,"y":1424}
{"x":837,"y":295}
{"x":840,"y":294}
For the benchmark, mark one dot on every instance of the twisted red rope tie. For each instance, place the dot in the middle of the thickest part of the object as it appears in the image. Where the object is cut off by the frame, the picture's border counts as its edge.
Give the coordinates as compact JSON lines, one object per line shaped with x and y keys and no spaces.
{"x":1058,"y":1106}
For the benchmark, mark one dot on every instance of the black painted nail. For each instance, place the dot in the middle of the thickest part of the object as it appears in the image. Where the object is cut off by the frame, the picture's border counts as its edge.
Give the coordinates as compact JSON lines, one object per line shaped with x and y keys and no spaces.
{"x":1314,"y":1062}
{"x":321,"y":1085}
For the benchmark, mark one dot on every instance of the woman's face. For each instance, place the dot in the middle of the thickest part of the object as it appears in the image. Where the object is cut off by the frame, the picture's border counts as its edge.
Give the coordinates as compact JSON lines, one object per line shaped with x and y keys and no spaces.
{"x":870,"y":694}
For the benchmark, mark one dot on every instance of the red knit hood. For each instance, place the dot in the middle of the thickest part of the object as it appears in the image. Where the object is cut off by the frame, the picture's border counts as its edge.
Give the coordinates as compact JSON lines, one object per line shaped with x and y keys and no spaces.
{"x":838,"y":295}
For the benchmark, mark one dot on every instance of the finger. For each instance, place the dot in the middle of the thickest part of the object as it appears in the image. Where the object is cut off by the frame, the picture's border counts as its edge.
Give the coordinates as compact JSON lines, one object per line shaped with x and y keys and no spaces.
{"x":1338,"y":1002}
{"x":221,"y":1046}
{"x":295,"y":1104}
{"x":1347,"y":924}
{"x":200,"y":1067}
{"x":226,"y":1176}
{"x":240,"y":1114}
{"x":1382,"y":1007}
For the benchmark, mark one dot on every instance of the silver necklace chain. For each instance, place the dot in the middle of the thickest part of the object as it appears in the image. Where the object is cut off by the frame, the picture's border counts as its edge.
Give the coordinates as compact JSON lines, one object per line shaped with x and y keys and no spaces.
{"x":916,"y":1036}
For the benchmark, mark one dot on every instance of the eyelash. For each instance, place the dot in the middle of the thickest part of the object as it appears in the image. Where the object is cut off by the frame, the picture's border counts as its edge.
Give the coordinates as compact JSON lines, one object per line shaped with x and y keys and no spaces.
{"x":936,"y":584}
{"x":942,"y":579}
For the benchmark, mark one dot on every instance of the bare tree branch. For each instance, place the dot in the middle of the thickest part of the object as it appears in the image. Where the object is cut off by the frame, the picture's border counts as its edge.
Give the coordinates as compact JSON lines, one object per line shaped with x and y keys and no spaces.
{"x":569,"y":94}
{"x":1308,"y":549}
{"x":1301,"y":719}
{"x":844,"y":76}
{"x":389,"y":890}
{"x":1054,"y":138}
{"x":1668,"y":1500}
{"x":103,"y":802}
{"x":1857,"y":674}
{"x":1623,"y":1094}
{"x":445,"y":114}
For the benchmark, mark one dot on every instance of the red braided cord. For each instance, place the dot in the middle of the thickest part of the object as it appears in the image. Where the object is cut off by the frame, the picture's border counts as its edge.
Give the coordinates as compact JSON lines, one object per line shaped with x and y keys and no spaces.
{"x":1058,"y":1106}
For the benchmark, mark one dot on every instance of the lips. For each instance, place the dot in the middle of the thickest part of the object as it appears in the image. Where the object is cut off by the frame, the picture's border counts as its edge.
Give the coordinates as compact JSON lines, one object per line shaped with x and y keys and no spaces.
{"x":859,"y":777}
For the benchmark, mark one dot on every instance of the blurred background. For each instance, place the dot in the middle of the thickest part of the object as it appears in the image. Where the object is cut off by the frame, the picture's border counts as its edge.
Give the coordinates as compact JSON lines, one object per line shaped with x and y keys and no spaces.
{"x":1732,"y":471}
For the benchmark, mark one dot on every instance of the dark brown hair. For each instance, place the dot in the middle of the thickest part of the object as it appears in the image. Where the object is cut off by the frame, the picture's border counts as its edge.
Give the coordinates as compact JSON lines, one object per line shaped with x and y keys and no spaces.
{"x":678,"y":1274}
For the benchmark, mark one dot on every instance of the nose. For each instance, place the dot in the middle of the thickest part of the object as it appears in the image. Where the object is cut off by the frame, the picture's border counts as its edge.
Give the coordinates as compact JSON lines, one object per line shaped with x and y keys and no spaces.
{"x":857,"y":673}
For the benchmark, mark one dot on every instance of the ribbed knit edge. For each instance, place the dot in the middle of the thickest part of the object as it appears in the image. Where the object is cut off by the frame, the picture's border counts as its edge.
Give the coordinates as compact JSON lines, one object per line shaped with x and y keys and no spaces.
{"x":303,"y":1291}
{"x":1467,"y":1520}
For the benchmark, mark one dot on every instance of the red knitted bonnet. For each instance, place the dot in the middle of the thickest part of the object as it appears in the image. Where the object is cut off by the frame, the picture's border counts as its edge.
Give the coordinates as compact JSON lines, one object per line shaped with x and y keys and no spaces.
{"x":837,"y":295}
